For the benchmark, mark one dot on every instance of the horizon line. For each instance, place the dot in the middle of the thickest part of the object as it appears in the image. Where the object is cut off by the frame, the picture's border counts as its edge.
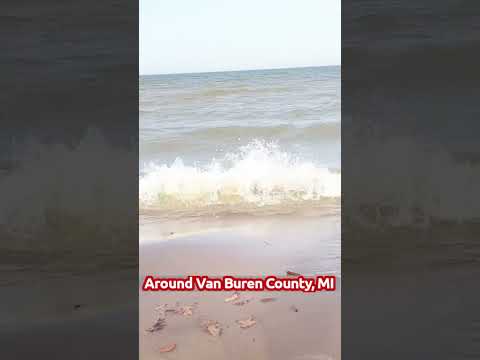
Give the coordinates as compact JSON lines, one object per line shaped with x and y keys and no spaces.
{"x":238,"y":70}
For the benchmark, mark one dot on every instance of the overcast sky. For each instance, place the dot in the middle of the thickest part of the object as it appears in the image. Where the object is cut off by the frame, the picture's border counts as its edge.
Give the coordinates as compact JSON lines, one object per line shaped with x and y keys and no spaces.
{"x":179,"y":36}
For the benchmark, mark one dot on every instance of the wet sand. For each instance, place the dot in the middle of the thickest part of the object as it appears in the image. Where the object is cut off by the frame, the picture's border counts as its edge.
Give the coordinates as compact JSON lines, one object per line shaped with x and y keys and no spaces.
{"x":73,"y":308}
{"x":256,"y":246}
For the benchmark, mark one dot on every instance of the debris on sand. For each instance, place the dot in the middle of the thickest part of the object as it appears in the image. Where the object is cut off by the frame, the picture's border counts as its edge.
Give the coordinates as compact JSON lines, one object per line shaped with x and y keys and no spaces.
{"x":294,"y":308}
{"x":186,"y":310}
{"x":161,"y":310}
{"x":168,"y":348}
{"x":268,"y":299}
{"x":291,"y":273}
{"x":242,"y":302}
{"x":234,"y":297}
{"x":158,"y":325}
{"x":164,"y":309}
{"x":161,"y":307}
{"x":212,"y":327}
{"x":247,"y":323}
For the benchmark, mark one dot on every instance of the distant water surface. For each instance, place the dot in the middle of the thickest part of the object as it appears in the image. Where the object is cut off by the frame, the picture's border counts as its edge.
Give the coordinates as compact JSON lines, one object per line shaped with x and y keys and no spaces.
{"x":262,"y":136}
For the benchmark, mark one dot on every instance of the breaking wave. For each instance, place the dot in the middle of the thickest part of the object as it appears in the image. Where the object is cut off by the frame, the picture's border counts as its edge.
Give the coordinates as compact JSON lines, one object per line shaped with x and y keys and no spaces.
{"x":259,"y":173}
{"x":67,"y":206}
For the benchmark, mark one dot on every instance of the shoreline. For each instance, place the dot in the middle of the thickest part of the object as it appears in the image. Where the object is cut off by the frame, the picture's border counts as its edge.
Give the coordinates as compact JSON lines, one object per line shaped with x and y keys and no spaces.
{"x":286,"y":324}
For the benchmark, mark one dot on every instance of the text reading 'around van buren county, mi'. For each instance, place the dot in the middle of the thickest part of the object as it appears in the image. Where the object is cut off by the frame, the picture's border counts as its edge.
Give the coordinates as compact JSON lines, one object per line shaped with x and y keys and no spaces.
{"x":229,"y":283}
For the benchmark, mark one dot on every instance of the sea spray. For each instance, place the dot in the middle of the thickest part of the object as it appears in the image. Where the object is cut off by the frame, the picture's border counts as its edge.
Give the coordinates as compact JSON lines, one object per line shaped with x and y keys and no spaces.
{"x":258,"y":173}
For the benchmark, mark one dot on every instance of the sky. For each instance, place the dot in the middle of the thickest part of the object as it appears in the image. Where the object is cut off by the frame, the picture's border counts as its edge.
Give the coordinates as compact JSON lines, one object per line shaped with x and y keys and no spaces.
{"x":185,"y":36}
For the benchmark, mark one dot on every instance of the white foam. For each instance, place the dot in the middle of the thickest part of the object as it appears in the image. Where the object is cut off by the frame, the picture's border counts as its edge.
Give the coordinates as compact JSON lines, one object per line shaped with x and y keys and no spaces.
{"x":428,"y":183}
{"x":48,"y":196}
{"x":259,"y":173}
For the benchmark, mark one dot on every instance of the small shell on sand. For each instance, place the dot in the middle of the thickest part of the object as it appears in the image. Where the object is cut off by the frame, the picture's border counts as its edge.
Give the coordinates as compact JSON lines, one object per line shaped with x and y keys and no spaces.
{"x":186,"y":310}
{"x":212,"y":327}
{"x":232,"y":298}
{"x":168,"y":348}
{"x":158,"y":325}
{"x":268,"y":299}
{"x":241,"y":302}
{"x":291,"y":273}
{"x":247,"y":323}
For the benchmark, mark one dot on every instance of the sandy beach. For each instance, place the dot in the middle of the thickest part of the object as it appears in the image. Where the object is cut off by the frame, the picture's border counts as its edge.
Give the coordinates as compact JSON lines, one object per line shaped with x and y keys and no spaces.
{"x":74,"y":307}
{"x":292,"y":326}
{"x":240,"y":175}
